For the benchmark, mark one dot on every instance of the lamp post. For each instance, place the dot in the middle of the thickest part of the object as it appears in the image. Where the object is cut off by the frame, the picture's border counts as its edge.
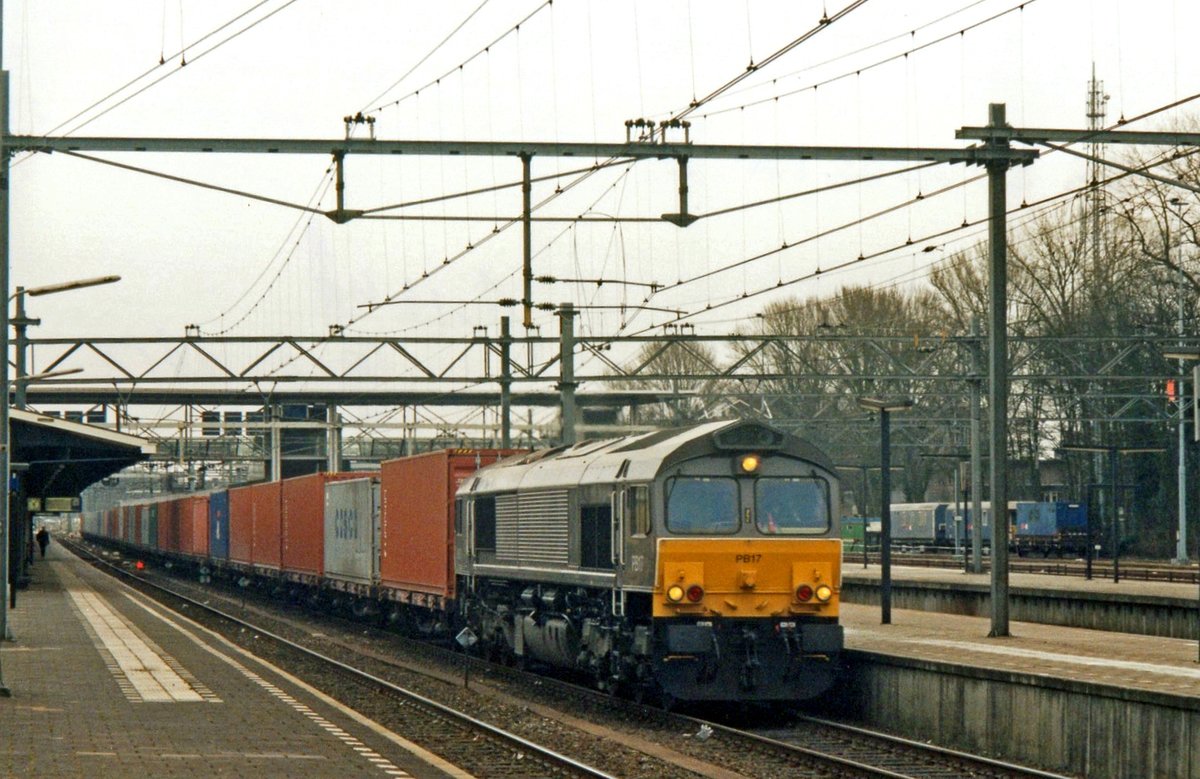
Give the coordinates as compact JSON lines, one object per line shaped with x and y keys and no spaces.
{"x":21,"y":322}
{"x":1114,"y":453}
{"x":885,"y":409}
{"x":1181,"y":555}
{"x":19,"y":383}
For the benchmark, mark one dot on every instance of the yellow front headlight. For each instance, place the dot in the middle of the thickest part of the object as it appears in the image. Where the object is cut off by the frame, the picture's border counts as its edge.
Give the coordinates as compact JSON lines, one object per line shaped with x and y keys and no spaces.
{"x":675,"y":593}
{"x":824,"y":593}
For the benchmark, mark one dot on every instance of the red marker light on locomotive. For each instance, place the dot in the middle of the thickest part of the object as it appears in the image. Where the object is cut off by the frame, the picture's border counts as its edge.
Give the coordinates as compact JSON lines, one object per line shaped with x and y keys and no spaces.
{"x":804,"y":592}
{"x":695,"y":593}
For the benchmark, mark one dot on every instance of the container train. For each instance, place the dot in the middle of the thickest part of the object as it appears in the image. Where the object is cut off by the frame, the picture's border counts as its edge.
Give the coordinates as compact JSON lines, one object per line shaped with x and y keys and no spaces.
{"x":692,"y":564}
{"x":1048,"y":528}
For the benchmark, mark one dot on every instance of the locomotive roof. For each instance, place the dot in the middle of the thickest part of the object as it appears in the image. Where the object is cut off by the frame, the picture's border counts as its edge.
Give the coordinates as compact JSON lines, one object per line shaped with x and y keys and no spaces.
{"x":637,"y":457}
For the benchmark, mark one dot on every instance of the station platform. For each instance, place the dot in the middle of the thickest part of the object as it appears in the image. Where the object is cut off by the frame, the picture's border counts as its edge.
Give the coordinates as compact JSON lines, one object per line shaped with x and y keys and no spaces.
{"x":1073,"y":700}
{"x":1141,"y":662}
{"x":105,"y":683}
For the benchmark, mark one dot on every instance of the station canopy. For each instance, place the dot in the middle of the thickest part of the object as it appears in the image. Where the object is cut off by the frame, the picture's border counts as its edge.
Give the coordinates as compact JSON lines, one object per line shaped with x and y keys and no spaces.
{"x":54,"y":457}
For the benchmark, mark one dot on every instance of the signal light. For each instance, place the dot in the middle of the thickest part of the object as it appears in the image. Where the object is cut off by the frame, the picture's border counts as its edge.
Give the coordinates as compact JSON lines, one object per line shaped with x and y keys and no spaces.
{"x":749,"y":463}
{"x":804,"y":593}
{"x":695,"y":593}
{"x":675,"y":593}
{"x":139,"y":565}
{"x":824,"y":593}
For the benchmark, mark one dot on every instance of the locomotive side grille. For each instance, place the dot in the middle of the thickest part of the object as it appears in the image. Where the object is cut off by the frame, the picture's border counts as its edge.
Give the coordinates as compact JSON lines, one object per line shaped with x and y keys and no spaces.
{"x":507,"y":529}
{"x":532,"y":527}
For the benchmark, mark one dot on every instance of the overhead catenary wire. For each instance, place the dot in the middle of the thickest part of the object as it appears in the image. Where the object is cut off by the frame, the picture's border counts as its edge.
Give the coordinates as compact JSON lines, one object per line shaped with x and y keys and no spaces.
{"x":516,"y":28}
{"x":858,"y":71}
{"x":826,"y":21}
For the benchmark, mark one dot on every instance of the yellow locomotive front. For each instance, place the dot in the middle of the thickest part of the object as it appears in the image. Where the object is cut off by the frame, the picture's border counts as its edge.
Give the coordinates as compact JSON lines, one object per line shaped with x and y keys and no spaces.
{"x":748,"y":576}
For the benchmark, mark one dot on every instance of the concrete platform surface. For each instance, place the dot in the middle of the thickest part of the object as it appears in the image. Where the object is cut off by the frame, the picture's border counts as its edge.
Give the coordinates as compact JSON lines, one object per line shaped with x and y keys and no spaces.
{"x":105,"y":683}
{"x":1138,"y":662}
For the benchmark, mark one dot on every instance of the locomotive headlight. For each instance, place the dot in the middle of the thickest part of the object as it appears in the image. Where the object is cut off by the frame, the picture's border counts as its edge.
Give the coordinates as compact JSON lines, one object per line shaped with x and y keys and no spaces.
{"x":675,"y":593}
{"x":824,"y":593}
{"x":748,"y":463}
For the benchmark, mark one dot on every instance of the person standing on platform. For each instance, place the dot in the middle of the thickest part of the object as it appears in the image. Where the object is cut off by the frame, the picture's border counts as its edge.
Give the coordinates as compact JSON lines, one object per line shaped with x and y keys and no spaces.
{"x":43,"y":539}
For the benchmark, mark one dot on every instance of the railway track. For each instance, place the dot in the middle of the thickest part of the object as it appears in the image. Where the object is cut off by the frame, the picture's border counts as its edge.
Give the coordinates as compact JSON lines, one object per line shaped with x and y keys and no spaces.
{"x":462,"y":739}
{"x":697,"y":745}
{"x":891,"y":756}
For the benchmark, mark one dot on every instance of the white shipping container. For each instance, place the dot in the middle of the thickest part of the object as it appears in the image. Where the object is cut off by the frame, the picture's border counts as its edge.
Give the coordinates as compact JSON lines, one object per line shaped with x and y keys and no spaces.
{"x":352,"y":531}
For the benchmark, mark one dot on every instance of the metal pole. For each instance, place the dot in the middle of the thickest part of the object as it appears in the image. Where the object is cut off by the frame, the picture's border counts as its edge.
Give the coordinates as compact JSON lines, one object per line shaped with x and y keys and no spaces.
{"x":276,"y":445}
{"x":866,"y":501}
{"x":1113,"y":475}
{"x":566,"y":384}
{"x":976,"y":462}
{"x":505,"y":385}
{"x":1181,"y":555}
{"x":998,"y":372}
{"x":960,"y":518}
{"x":333,"y":439}
{"x":885,"y":519}
{"x":1089,"y":550}
{"x":527,"y":239}
{"x":20,"y":325}
{"x":6,"y":567}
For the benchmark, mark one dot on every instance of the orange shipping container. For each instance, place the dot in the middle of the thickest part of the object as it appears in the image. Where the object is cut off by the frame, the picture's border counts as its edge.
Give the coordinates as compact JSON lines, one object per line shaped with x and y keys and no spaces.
{"x":417,"y":517}
{"x":265,"y":509}
{"x":241,"y":525}
{"x":193,"y":531}
{"x":303,"y":521}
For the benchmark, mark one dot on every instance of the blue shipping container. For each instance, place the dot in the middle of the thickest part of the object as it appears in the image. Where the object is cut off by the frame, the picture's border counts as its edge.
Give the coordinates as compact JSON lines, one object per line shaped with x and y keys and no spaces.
{"x":1050,"y":518}
{"x":218,"y":525}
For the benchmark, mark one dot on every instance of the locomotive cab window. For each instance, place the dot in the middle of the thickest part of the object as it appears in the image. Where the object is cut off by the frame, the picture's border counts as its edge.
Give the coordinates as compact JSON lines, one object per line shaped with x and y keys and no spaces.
{"x":698,"y":504}
{"x":638,"y":510}
{"x":485,"y":524}
{"x":791,"y":505}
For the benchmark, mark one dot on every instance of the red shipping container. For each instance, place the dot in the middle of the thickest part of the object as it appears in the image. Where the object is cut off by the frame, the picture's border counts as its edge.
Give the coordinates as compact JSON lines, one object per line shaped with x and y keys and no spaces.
{"x":303,"y":521}
{"x":417,"y":517}
{"x":169,"y":520}
{"x":265,"y":511}
{"x":137,"y":526}
{"x":241,"y":525}
{"x":193,"y":531}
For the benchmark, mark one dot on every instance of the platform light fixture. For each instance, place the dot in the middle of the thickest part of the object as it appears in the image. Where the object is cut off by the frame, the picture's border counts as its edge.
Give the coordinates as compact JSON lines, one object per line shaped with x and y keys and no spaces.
{"x":885,"y":408}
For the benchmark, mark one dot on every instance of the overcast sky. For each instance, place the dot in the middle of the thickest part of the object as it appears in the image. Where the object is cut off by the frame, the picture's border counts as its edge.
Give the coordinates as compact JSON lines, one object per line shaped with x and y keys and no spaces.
{"x":574,"y":71}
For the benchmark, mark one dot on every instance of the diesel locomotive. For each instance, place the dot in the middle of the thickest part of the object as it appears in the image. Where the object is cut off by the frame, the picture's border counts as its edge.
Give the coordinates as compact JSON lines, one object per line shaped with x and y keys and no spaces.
{"x":698,"y":564}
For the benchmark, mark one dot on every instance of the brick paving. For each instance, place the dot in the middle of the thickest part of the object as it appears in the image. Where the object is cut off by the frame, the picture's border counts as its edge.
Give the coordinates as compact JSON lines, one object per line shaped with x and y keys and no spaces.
{"x":199,"y":709}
